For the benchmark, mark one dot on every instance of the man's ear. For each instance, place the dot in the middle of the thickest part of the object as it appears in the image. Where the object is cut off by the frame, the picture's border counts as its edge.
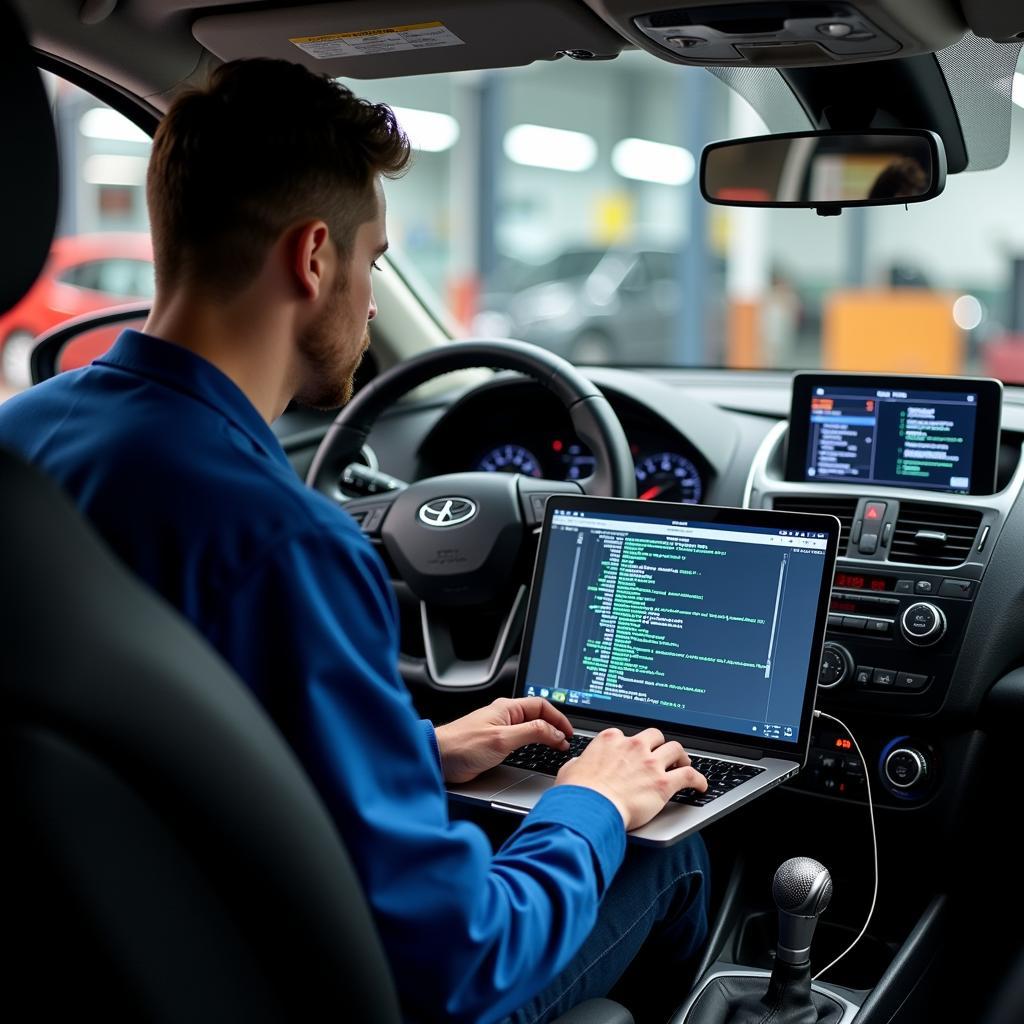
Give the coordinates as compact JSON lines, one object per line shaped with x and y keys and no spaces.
{"x":310,"y":254}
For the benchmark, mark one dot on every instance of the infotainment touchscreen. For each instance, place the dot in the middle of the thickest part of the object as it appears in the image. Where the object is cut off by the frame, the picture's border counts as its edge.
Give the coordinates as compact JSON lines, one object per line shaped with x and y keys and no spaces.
{"x":936,"y":433}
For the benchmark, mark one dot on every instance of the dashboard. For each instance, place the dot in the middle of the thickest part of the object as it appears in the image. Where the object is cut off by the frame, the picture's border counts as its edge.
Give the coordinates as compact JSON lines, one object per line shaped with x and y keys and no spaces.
{"x":923,"y":639}
{"x":925,"y":653}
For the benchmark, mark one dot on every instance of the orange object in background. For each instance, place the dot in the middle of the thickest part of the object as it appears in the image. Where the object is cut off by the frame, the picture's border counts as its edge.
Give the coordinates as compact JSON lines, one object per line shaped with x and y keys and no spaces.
{"x":743,"y":335}
{"x":463,"y":295}
{"x":904,"y":330}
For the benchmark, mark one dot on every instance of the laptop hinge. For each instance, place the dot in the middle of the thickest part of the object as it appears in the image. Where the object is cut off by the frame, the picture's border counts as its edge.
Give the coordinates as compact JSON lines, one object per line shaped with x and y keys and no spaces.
{"x":698,"y":742}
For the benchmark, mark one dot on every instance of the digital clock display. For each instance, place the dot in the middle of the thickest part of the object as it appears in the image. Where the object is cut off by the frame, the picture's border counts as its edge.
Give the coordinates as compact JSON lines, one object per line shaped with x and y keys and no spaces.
{"x":854,"y":581}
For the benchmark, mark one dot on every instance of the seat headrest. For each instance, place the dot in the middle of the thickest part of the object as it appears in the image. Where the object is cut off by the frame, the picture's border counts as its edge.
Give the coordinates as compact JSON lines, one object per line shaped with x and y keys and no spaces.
{"x":29,"y":174}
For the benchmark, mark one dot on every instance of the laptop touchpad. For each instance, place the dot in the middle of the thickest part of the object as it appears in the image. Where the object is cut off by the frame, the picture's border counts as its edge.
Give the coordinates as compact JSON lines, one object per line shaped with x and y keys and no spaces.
{"x":527,"y":792}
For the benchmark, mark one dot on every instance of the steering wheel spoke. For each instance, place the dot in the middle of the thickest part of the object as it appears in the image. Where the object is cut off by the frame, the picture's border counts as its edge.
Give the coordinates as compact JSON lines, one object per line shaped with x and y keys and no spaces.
{"x":445,"y":669}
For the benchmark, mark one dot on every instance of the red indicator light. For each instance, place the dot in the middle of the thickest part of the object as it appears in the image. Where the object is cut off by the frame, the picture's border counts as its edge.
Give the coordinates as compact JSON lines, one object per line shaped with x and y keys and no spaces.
{"x":842,"y":787}
{"x":557,"y":446}
{"x":842,"y":744}
{"x":872,"y":512}
{"x":878,"y":584}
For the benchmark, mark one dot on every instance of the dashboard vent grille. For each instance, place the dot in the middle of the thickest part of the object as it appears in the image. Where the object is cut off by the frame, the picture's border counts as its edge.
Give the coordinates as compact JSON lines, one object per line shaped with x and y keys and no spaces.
{"x":844,"y":509}
{"x":928,"y":534}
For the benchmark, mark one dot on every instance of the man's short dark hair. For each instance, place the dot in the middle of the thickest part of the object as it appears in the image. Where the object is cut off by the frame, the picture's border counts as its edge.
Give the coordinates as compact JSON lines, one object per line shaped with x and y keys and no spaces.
{"x":264,"y":145}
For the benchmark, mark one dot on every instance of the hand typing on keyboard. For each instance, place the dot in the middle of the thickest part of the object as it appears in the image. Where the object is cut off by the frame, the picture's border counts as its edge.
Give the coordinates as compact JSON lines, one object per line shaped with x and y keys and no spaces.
{"x":480,"y":740}
{"x":639,"y":774}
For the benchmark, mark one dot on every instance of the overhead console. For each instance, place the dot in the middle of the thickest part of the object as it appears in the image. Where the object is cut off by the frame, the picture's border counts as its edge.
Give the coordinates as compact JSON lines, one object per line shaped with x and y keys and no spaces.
{"x":785,"y":33}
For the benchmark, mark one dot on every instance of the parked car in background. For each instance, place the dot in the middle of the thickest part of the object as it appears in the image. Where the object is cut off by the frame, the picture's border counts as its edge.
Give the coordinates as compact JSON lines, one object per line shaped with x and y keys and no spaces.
{"x":591,"y":305}
{"x":84,"y":273}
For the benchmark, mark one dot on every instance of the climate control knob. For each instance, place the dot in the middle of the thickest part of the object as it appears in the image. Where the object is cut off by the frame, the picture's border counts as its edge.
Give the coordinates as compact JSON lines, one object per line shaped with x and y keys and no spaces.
{"x":923,"y":624}
{"x":905,"y":768}
{"x":836,"y":665}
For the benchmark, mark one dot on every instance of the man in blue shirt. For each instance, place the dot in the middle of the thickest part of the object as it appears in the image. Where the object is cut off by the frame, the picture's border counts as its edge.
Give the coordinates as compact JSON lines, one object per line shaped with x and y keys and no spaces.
{"x":267,"y":215}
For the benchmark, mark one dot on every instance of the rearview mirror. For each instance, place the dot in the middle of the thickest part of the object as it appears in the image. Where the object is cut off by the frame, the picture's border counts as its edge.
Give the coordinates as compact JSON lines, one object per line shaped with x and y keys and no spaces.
{"x":825,"y":171}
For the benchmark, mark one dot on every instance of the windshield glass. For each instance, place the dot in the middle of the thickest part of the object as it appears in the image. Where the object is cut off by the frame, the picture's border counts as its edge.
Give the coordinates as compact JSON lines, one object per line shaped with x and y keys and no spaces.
{"x":559,"y":204}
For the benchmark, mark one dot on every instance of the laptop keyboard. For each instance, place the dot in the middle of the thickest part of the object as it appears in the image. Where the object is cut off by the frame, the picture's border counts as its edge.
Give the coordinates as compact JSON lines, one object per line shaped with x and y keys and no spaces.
{"x":722,"y":776}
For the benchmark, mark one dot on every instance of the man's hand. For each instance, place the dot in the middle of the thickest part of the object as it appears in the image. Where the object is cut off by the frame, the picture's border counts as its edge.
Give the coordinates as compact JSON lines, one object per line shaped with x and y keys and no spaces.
{"x":637,"y":773}
{"x":484,"y":738}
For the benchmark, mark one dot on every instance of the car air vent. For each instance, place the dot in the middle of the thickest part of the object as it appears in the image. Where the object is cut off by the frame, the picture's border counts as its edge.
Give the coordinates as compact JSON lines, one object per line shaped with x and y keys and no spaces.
{"x":928,"y":534}
{"x":843,"y":509}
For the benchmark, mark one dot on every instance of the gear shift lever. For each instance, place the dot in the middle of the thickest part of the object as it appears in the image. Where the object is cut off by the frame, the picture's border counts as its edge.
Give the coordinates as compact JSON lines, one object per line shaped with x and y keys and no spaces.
{"x":802,"y":889}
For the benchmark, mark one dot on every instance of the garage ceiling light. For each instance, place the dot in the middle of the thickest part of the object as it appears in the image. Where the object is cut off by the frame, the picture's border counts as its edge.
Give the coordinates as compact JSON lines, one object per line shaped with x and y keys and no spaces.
{"x":428,"y":130}
{"x":104,"y":123}
{"x":644,"y":160}
{"x":968,"y":312}
{"x":109,"y":169}
{"x":555,"y":148}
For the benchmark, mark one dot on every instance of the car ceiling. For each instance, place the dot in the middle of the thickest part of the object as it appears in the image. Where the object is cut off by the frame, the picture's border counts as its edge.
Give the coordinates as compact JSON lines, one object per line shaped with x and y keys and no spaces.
{"x":943,"y":77}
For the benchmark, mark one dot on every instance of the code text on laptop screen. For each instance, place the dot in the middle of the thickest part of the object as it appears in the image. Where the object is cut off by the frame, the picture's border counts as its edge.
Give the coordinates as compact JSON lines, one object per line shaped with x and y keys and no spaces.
{"x":700,"y":624}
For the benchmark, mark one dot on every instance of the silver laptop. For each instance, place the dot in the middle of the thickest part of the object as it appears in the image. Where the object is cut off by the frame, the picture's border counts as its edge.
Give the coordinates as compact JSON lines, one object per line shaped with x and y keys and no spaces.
{"x":705,"y":622}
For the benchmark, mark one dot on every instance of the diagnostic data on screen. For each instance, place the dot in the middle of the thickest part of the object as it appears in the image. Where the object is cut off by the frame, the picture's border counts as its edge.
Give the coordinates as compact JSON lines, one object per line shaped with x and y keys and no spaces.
{"x":889,"y":436}
{"x":689,"y":623}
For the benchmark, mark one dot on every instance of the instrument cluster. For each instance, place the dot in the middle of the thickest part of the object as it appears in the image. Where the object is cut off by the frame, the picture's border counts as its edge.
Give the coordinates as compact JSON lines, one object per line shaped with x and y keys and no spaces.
{"x":661,"y":475}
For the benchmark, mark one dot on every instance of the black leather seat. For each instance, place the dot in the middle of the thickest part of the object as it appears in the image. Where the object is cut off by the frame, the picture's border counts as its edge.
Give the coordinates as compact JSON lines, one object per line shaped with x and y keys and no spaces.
{"x":164,"y":856}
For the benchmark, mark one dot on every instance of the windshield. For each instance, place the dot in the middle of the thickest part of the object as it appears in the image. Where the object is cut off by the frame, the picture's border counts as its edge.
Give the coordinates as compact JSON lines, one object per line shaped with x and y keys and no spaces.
{"x":559,"y":204}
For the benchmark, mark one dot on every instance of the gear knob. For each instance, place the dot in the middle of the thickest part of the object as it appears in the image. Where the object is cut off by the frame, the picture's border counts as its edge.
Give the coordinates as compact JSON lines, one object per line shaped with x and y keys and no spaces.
{"x":802,"y":890}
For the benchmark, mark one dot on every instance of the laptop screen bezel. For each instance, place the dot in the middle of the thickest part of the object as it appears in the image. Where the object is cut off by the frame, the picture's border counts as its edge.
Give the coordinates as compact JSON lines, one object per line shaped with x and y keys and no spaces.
{"x":713,"y":514}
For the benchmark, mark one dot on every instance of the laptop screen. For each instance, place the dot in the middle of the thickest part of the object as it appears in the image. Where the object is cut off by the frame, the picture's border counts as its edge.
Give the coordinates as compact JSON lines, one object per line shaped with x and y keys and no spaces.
{"x":709,"y":620}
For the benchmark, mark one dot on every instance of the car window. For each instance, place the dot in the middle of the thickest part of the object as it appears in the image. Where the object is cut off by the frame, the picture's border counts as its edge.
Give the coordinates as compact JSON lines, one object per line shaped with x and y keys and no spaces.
{"x":101,"y":255}
{"x":526,"y":176}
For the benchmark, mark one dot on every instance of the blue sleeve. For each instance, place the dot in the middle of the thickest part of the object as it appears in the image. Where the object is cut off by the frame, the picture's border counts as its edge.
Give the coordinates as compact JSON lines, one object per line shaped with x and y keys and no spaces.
{"x":428,"y":731}
{"x":470,"y":934}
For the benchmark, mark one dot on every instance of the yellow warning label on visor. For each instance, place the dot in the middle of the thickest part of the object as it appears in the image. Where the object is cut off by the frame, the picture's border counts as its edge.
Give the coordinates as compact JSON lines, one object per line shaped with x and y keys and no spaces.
{"x":425,"y":36}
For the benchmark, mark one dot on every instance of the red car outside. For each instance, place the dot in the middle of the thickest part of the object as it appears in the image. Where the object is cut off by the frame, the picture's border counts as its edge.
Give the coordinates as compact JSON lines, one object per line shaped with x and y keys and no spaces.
{"x":83,"y":274}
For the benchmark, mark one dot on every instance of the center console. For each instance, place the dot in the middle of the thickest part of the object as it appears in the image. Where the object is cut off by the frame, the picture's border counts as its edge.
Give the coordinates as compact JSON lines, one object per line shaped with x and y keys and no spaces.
{"x":908,"y":466}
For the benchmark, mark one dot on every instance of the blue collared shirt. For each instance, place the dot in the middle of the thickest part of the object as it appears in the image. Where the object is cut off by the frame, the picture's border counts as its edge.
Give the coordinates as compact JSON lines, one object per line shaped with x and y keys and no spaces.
{"x":188,"y":484}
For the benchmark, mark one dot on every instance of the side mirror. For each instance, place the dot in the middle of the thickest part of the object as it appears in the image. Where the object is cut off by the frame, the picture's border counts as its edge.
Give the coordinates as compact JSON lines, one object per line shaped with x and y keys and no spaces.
{"x":825,"y":171}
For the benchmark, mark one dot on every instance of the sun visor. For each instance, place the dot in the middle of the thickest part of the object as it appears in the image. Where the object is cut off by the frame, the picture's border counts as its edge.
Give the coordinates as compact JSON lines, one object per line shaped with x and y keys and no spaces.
{"x":784,"y":33}
{"x":370,"y":39}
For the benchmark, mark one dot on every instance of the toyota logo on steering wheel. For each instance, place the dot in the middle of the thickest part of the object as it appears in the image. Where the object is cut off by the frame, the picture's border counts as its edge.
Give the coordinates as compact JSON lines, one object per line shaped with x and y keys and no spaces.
{"x":447,"y":511}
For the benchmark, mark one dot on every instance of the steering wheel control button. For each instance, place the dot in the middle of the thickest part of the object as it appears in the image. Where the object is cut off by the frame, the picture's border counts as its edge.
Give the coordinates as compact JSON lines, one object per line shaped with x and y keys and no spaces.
{"x":863,"y":675}
{"x":923,"y":624}
{"x":913,"y":681}
{"x":905,"y":768}
{"x":884,"y":678}
{"x":956,"y":588}
{"x":836,"y":665}
{"x":445,"y":512}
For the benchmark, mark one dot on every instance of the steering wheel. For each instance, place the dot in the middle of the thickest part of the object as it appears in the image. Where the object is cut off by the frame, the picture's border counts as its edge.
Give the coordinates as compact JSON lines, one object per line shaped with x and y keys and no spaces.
{"x":457,"y":539}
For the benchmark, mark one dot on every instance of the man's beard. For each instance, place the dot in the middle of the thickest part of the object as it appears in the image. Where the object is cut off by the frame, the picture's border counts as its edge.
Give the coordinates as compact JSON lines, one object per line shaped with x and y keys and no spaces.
{"x":329,"y":364}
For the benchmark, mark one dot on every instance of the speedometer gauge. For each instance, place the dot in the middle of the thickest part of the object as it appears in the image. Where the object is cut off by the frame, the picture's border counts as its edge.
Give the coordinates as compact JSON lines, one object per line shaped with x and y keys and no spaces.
{"x":510,"y":458}
{"x":668,"y":476}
